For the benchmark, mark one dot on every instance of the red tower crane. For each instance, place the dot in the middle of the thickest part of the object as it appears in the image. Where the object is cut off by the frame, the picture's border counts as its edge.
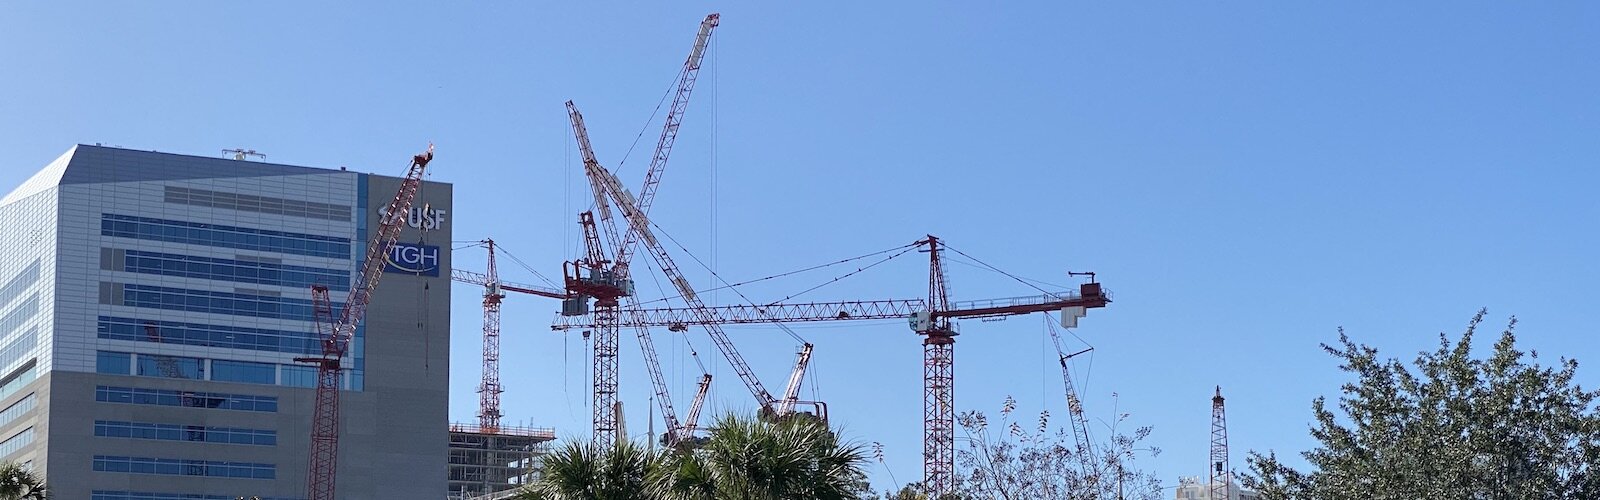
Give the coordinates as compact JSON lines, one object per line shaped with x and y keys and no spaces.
{"x":931,"y":317}
{"x":609,"y":281}
{"x":337,"y":334}
{"x":489,"y":389}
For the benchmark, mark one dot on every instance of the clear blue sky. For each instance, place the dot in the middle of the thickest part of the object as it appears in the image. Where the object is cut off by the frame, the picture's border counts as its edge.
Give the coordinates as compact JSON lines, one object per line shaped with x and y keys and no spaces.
{"x":1245,"y":177}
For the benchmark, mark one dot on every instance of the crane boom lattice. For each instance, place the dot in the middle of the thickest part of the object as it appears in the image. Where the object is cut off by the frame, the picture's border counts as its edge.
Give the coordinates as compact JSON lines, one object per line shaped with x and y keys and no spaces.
{"x":336,"y":334}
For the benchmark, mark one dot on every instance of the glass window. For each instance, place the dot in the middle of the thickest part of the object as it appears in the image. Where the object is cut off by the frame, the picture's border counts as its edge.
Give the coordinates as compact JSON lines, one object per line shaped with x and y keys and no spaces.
{"x":118,"y":363}
{"x":18,"y":409}
{"x":299,"y":376}
{"x":243,"y":371}
{"x":155,"y":365}
{"x":163,"y":397}
{"x":224,"y":236}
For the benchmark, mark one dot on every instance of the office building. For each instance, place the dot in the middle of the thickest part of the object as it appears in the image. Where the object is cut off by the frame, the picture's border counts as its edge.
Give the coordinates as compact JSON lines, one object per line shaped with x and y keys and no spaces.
{"x":152,"y":305}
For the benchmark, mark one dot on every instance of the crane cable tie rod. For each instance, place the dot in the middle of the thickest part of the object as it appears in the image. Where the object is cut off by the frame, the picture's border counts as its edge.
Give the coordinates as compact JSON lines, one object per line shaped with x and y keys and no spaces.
{"x":714,"y":274}
{"x":995,"y":269}
{"x":789,"y":273}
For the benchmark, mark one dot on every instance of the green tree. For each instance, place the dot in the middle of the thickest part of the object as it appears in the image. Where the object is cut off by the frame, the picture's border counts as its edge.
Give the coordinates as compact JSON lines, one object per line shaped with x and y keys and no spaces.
{"x":1039,"y":461}
{"x":20,"y":483}
{"x":579,"y":471}
{"x":1447,"y":426}
{"x":744,"y":459}
{"x":759,"y":459}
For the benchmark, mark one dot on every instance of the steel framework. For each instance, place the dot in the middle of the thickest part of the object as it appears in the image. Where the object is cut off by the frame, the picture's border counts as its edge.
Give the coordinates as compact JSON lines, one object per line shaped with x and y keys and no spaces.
{"x":933,"y":322}
{"x":1221,"y":474}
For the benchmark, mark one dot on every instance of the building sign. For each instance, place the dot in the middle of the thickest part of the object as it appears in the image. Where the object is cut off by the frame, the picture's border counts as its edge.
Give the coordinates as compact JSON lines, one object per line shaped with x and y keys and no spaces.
{"x":405,"y":258}
{"x":425,"y":217}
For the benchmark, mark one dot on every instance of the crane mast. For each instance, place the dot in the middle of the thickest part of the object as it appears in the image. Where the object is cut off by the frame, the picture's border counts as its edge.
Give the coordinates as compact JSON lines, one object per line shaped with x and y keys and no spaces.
{"x":489,"y":389}
{"x":938,"y":380}
{"x":337,"y":334}
{"x":1221,"y":475}
{"x":591,"y":277}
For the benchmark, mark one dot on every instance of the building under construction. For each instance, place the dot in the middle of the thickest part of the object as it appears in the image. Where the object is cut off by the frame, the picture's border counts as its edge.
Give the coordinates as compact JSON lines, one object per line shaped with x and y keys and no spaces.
{"x":490,"y":462}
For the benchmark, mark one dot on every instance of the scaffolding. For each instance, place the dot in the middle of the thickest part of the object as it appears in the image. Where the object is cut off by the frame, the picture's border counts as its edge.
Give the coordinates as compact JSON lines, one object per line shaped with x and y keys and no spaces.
{"x":483,"y":463}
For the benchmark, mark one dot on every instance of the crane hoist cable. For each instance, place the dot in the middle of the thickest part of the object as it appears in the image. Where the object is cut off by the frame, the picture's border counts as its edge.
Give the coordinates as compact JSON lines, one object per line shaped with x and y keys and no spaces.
{"x":524,"y":265}
{"x":747,"y":300}
{"x":788,"y":273}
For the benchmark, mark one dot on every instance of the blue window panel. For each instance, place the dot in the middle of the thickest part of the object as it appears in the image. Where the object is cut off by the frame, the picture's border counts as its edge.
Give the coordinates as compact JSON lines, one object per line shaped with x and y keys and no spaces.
{"x":16,"y":442}
{"x":244,"y":371}
{"x":18,"y":284}
{"x":156,"y":365}
{"x":18,"y":409}
{"x":19,"y":348}
{"x":298,"y":376}
{"x":14,"y":383}
{"x":14,"y":318}
{"x":205,"y":301}
{"x":115,"y":363}
{"x":174,"y":467}
{"x":142,"y":495}
{"x":174,"y":432}
{"x":197,"y":334}
{"x":163,"y":397}
{"x":261,"y":273}
{"x":218,"y":235}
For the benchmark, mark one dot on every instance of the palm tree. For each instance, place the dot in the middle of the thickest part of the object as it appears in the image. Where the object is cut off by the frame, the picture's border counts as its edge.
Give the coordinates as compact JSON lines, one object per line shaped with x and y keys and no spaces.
{"x":580,"y":472}
{"x":20,"y":483}
{"x":750,"y":459}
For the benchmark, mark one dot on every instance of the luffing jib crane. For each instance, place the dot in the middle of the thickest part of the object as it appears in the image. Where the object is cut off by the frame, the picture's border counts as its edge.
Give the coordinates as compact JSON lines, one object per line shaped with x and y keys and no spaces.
{"x":609,"y":281}
{"x":641,"y":224}
{"x":337,"y":334}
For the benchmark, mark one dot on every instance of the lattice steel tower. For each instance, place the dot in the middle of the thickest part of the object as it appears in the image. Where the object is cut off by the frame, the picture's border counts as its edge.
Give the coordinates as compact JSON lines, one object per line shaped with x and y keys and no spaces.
{"x":1221,"y":475}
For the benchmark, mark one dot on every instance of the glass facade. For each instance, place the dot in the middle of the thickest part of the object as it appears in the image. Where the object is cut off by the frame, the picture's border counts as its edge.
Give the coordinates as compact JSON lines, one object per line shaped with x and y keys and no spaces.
{"x":216,"y":235}
{"x":175,"y":432}
{"x":143,"y":495}
{"x":15,"y":382}
{"x":164,"y":397}
{"x":156,"y":365}
{"x":205,"y":301}
{"x":22,"y":345}
{"x":18,"y":284}
{"x":180,"y":467}
{"x":244,"y":371}
{"x":199,"y":334}
{"x":220,"y":370}
{"x":239,"y":271}
{"x":15,"y":443}
{"x":115,"y":363}
{"x":17,"y":409}
{"x":18,"y":315}
{"x":297,"y":376}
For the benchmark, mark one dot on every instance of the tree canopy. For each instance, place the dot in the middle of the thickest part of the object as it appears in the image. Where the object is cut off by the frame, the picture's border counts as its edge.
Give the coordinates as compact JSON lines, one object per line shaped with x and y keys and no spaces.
{"x":1447,"y":425}
{"x":743,"y":459}
{"x":17,"y":482}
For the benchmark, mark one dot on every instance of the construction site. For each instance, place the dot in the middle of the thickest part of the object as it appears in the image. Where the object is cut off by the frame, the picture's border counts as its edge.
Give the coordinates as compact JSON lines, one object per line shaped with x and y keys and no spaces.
{"x":369,"y":354}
